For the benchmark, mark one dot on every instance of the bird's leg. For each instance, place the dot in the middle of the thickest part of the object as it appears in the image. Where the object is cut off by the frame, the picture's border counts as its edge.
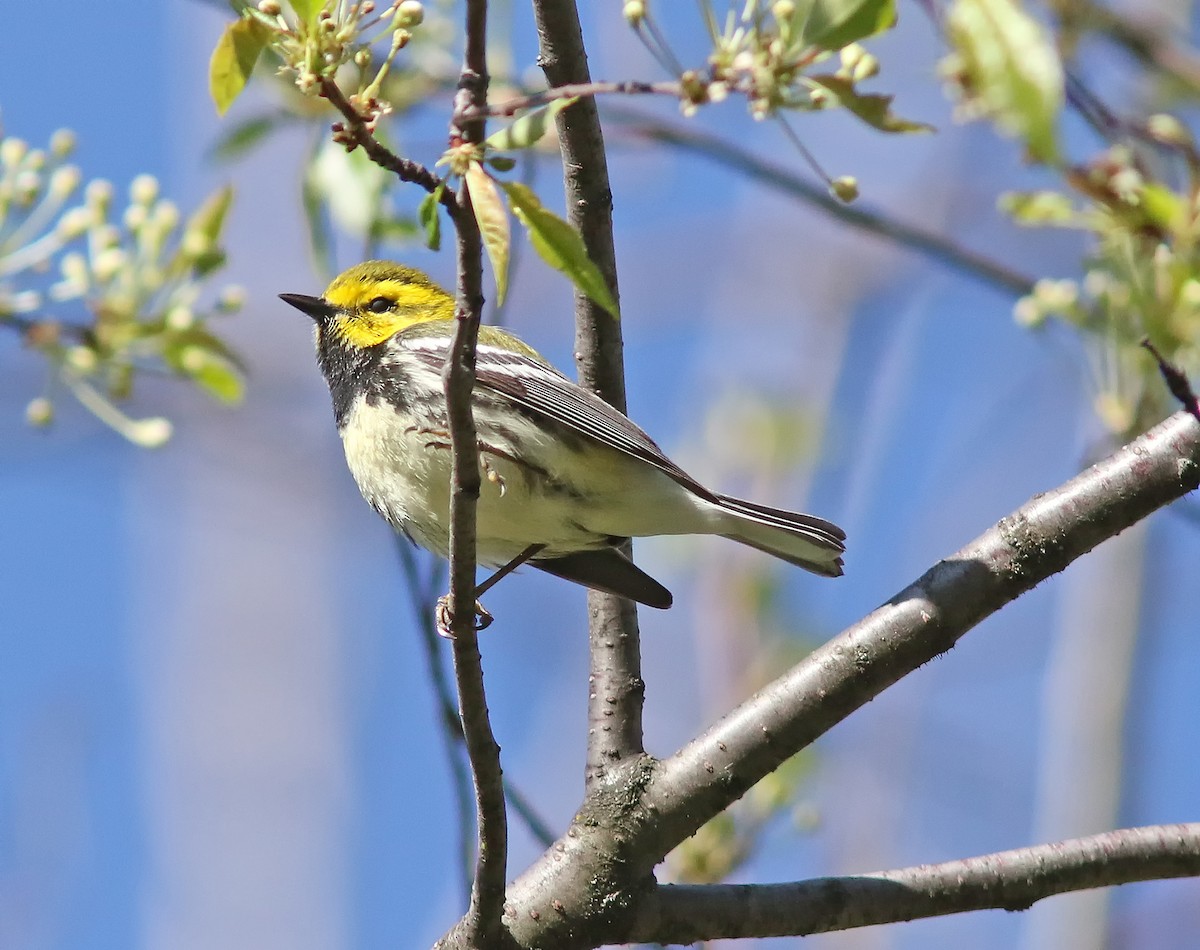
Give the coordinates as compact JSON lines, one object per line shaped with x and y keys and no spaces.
{"x":483,"y":619}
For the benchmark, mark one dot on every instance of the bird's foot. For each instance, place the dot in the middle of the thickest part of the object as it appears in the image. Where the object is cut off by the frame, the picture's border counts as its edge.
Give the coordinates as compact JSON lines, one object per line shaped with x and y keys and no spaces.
{"x":444,"y":617}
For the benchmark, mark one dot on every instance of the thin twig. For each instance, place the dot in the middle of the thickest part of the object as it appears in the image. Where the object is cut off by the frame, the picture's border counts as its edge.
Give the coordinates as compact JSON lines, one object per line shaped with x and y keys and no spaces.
{"x":616,"y":689}
{"x":1007,"y":880}
{"x":580,"y":90}
{"x":1176,"y":380}
{"x":360,"y":134}
{"x":934,"y":246}
{"x":483,"y":919}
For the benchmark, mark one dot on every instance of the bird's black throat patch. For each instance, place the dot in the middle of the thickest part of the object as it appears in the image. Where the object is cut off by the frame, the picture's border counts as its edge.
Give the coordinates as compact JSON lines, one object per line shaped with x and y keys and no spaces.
{"x":353,"y":370}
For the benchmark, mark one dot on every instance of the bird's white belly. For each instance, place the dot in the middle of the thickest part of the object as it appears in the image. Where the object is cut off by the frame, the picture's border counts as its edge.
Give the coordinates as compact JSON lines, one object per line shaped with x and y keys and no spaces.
{"x":405,"y":475}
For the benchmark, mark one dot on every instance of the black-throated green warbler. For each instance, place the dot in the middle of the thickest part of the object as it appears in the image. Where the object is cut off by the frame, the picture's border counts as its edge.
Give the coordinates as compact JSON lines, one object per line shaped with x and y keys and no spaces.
{"x":566,"y":476}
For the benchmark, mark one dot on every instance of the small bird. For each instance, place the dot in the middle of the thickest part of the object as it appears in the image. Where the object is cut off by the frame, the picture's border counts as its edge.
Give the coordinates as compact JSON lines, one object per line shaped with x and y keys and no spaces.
{"x":566,"y":478}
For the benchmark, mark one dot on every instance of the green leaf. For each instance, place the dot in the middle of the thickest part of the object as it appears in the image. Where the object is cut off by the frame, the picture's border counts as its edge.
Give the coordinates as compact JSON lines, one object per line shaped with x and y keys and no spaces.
{"x":199,"y":249}
{"x":529,"y":129}
{"x":307,"y":10}
{"x":218,"y":379}
{"x":1163,"y":207}
{"x":1008,"y":69}
{"x":352,"y":186}
{"x":1036,"y":209}
{"x":244,"y":136}
{"x":209,"y":219}
{"x":178,"y":342}
{"x":502,"y":163}
{"x":832,"y":24}
{"x":316,"y":217}
{"x":233,"y":60}
{"x":559,"y":245}
{"x":493,"y":223}
{"x":429,"y":213}
{"x":876,"y":111}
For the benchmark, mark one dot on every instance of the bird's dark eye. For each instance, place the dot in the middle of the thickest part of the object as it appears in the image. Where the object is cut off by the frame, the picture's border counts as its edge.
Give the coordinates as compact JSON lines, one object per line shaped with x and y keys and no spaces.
{"x":380,"y":305}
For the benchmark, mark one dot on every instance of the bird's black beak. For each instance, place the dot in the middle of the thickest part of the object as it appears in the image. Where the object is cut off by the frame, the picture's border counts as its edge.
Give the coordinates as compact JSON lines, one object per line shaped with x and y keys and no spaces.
{"x":315,"y":307}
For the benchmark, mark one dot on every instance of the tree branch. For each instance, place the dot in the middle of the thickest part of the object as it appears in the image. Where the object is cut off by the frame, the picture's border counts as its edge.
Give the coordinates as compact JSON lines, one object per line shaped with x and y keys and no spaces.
{"x":1007,"y":880}
{"x":582,"y":90}
{"x":482,"y":923}
{"x":667,"y":801}
{"x":616,"y":690}
{"x":934,"y":246}
{"x":355,"y":131}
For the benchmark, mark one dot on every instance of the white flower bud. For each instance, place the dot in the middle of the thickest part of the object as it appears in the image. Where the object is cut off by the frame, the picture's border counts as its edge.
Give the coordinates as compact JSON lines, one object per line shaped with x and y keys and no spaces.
{"x":149,"y":433}
{"x":12,"y":150}
{"x":180,"y":317}
{"x":62,"y":143}
{"x":232,"y":298}
{"x":82,"y":359}
{"x":108,"y":263}
{"x":39,"y":412}
{"x":634,"y":12}
{"x":408,"y":14}
{"x":74,"y":223}
{"x":99,"y":192}
{"x":135,"y":217}
{"x":143,"y":189}
{"x":64,"y":180}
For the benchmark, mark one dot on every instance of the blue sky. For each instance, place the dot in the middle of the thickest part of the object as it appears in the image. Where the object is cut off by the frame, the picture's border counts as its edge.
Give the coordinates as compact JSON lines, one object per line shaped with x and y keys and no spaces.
{"x":216,"y":727}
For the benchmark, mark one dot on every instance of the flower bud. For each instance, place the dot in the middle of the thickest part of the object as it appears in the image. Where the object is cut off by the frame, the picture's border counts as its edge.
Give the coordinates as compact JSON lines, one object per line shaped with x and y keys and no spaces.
{"x":634,"y":12}
{"x":39,"y":412}
{"x":82,"y":359}
{"x":845,"y":188}
{"x":410,"y":13}
{"x":12,"y":150}
{"x":149,"y":433}
{"x":143,"y":189}
{"x":62,"y":143}
{"x":74,"y":223}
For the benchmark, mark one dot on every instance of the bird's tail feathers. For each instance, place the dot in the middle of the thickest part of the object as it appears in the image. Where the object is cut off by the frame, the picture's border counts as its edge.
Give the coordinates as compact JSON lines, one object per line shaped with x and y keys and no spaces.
{"x":806,"y":541}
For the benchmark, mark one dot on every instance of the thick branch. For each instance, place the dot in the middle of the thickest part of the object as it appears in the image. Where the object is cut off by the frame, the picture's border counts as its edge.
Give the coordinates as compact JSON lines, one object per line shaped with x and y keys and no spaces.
{"x":1008,"y":880}
{"x":616,"y":689}
{"x":482,"y":922}
{"x":924,"y":620}
{"x":669,"y":800}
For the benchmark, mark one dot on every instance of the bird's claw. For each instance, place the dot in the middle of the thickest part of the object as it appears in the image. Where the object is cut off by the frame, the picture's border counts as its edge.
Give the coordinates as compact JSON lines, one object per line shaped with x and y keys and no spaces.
{"x":444,"y":617}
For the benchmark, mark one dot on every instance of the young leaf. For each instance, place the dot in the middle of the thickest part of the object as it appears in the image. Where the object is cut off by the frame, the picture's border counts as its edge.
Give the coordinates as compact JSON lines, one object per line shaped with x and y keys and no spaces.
{"x":429,"y":214}
{"x":1009,"y":70}
{"x":493,"y":222}
{"x":876,"y":111}
{"x":217,"y":378}
{"x":306,"y":10}
{"x":1036,"y":209}
{"x":529,"y":129}
{"x":244,"y":136}
{"x":233,"y":60}
{"x":832,"y":24}
{"x":559,"y":245}
{"x":209,"y":219}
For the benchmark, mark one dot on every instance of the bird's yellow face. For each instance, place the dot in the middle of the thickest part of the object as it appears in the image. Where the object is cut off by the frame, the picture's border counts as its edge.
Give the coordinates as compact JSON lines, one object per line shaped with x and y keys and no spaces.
{"x":374,"y":300}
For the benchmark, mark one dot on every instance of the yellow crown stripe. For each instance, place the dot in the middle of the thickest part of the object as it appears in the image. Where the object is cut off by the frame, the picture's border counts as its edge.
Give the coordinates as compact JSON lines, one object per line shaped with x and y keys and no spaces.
{"x":360,"y":326}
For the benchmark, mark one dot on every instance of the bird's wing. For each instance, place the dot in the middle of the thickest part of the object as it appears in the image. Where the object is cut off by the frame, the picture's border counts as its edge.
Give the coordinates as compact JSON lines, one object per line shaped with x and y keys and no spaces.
{"x":541,"y":390}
